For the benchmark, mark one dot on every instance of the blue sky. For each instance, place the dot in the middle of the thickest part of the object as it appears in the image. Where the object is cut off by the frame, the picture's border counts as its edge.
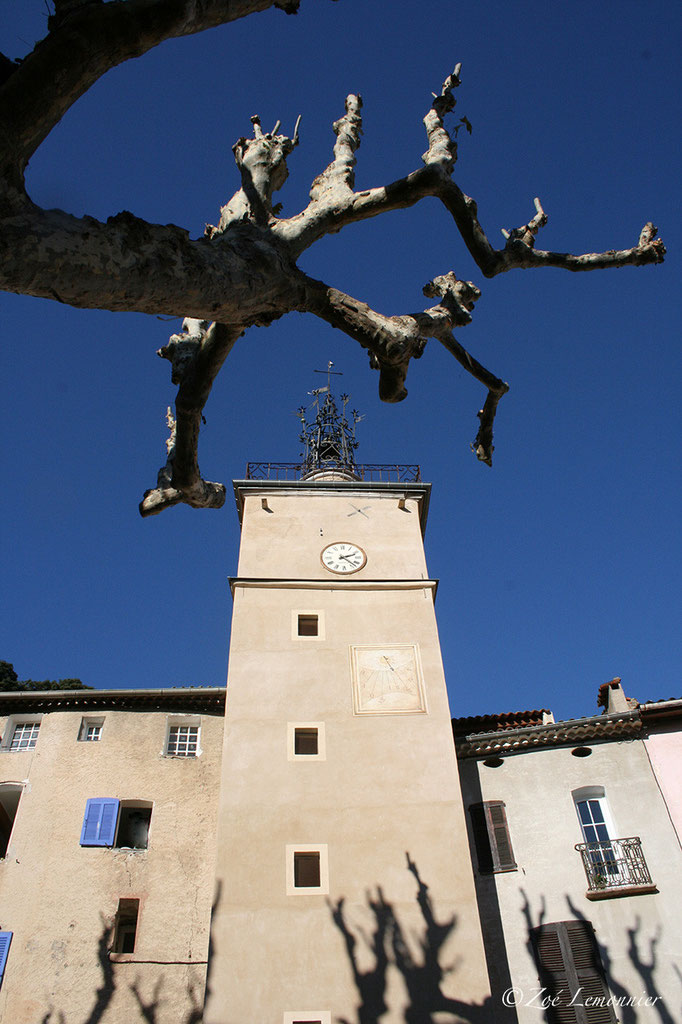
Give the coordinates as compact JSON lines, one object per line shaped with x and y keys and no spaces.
{"x":559,"y":567}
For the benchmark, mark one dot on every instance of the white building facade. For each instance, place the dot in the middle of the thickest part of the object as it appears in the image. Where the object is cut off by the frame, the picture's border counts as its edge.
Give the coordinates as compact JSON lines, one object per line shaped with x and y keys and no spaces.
{"x":577,"y":868}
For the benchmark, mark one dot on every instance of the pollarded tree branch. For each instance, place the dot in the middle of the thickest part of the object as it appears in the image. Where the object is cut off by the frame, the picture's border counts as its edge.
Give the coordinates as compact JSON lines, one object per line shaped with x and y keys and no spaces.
{"x":334,"y":204}
{"x":393,"y":340}
{"x":242,"y":272}
{"x":196,"y":356}
{"x":86,"y":40}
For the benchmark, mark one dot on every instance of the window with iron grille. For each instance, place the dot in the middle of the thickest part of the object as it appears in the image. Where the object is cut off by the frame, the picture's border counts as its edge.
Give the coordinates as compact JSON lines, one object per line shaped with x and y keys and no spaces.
{"x":183,"y":740}
{"x":25,"y":736}
{"x":571,"y":971}
{"x":491,"y":837}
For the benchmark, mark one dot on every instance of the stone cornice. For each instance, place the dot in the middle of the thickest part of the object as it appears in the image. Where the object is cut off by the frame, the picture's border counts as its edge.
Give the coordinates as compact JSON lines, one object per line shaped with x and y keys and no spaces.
{"x":338,"y":583}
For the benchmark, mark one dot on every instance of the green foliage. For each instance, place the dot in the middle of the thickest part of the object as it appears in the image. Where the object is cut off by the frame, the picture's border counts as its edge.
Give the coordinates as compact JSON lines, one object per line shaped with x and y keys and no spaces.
{"x":9,"y":681}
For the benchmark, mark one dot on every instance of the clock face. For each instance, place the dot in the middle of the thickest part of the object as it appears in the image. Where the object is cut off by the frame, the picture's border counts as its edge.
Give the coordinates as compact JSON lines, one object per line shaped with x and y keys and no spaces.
{"x":343,"y":557}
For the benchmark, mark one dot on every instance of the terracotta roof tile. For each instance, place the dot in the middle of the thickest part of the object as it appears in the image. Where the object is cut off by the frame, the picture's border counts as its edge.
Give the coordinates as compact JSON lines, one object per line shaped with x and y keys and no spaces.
{"x":499,"y":722}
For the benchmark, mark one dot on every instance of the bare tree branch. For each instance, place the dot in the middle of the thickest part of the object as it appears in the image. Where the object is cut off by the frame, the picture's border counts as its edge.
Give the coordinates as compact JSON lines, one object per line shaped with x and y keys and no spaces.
{"x":242,"y":272}
{"x":393,"y":341}
{"x":86,"y":40}
{"x":196,"y":356}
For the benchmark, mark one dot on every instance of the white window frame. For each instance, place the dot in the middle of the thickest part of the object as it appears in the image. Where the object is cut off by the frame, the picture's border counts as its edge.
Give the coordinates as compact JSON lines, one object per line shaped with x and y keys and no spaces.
{"x":321,"y":632}
{"x":292,"y":1016}
{"x":321,"y":754}
{"x":180,"y":721}
{"x":17,"y":720}
{"x":89,"y":722}
{"x":307,"y":890}
{"x":600,"y":858}
{"x":595,"y":793}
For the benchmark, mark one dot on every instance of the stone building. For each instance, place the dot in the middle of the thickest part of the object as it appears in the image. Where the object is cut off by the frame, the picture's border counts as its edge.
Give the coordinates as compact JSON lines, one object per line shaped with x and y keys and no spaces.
{"x":108,"y":804}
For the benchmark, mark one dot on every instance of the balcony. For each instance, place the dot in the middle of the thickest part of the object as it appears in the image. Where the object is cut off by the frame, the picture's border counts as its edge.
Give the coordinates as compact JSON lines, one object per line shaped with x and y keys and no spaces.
{"x":615,"y":868}
{"x":378,"y":473}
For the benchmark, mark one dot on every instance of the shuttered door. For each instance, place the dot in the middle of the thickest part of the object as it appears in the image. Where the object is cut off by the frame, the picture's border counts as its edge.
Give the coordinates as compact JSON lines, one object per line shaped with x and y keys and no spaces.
{"x":571,"y":972}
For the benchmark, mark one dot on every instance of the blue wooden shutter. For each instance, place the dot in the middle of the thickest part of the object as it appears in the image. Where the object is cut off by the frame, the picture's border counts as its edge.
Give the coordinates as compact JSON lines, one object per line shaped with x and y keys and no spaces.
{"x":5,"y":939}
{"x":99,"y":822}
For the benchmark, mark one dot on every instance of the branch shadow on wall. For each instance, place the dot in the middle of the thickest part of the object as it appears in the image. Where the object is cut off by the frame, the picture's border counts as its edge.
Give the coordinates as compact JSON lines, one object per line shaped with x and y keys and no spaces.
{"x":148,"y":1007}
{"x":625,"y":1002}
{"x":422,"y":974}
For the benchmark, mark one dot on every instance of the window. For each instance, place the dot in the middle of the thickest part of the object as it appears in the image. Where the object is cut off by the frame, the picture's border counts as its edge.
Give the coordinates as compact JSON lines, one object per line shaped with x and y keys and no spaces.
{"x":24,"y":736}
{"x":5,"y":941}
{"x":307,"y":869}
{"x":594,"y":816}
{"x":183,"y":740}
{"x":597,"y":829}
{"x":307,"y":625}
{"x":491,"y":837}
{"x":133,"y":826}
{"x":613,"y":866}
{"x":307,"y":1017}
{"x":90,"y":730}
{"x":10,"y":794}
{"x":571,"y":970}
{"x":306,"y":741}
{"x":123,"y":824}
{"x":125,"y":926}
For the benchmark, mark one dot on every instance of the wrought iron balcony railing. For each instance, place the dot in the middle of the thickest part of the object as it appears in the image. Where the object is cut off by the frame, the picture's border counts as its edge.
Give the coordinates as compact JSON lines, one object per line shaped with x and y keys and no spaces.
{"x":380,"y":473}
{"x":616,"y":865}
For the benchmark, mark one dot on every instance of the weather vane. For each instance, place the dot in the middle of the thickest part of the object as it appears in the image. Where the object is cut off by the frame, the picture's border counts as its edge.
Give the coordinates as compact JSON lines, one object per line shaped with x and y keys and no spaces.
{"x":328,"y":437}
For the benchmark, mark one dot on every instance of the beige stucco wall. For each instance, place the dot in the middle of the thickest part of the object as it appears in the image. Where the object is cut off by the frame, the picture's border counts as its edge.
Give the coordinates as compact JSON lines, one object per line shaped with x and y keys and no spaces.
{"x":300,"y":523}
{"x":388,"y":786}
{"x":59,"y":898}
{"x":549,"y":884}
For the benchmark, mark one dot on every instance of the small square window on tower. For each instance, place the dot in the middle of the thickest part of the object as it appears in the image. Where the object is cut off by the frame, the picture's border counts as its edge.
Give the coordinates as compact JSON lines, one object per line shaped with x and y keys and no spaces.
{"x":307,"y":1017}
{"x":306,"y":741}
{"x":307,"y":624}
{"x":307,"y":869}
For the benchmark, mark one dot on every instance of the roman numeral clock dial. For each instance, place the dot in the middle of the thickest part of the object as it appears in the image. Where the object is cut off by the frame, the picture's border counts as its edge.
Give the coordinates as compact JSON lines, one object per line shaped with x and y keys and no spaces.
{"x":343,"y":558}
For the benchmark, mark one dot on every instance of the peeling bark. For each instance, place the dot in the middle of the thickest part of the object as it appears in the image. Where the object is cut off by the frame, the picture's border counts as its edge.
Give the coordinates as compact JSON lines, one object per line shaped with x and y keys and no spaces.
{"x":243,"y":271}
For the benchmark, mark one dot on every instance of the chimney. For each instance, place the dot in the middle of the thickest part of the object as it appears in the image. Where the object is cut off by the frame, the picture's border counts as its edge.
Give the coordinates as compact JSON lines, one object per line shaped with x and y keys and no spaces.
{"x":612,"y":697}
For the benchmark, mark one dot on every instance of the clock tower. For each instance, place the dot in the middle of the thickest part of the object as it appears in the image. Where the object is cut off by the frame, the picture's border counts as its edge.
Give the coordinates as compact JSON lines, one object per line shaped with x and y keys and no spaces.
{"x":344,"y":884}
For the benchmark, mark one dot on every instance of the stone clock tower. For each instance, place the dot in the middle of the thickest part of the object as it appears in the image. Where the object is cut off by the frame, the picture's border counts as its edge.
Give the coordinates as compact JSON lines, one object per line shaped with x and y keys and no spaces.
{"x":344,"y":885}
